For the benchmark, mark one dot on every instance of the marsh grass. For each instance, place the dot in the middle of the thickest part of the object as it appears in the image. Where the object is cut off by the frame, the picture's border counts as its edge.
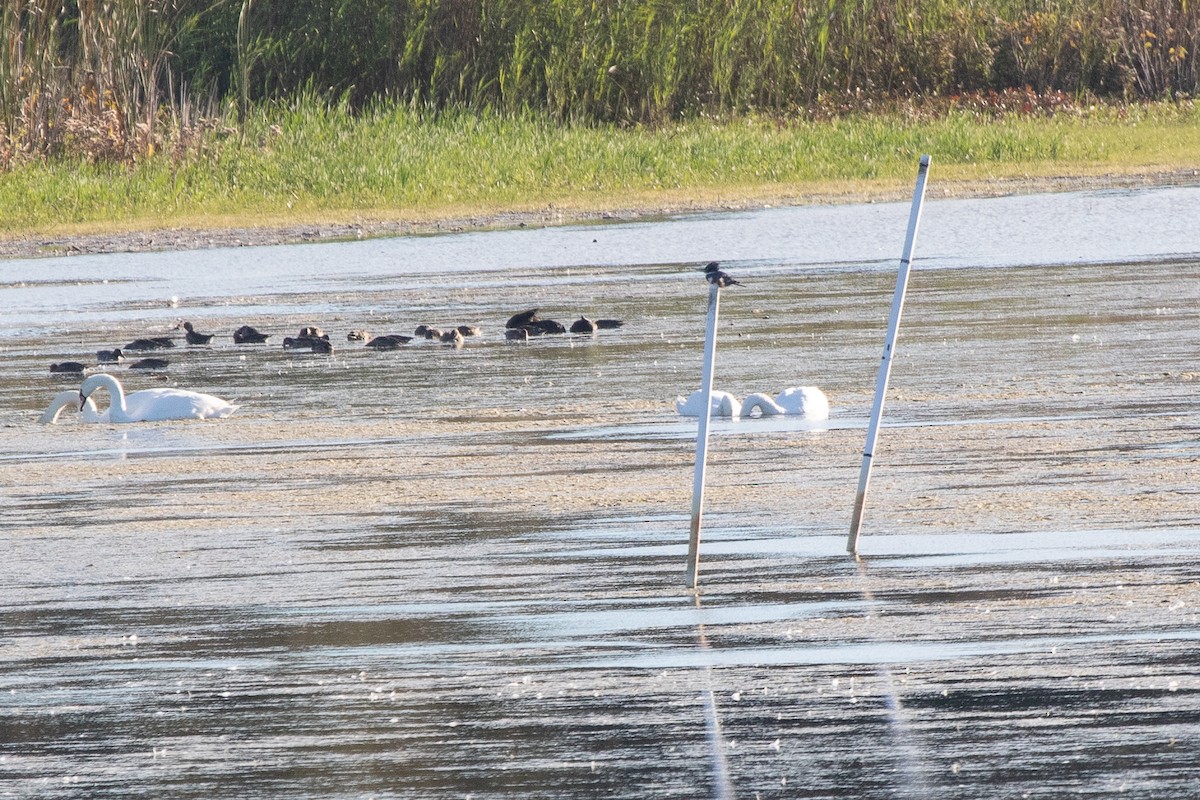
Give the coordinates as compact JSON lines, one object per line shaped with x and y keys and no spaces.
{"x":122,"y":80}
{"x":312,"y":160}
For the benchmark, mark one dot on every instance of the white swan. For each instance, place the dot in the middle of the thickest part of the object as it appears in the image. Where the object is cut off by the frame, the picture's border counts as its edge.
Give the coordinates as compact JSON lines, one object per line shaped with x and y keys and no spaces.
{"x":808,"y":402}
{"x":804,"y":401}
{"x":762,"y":403}
{"x":151,"y":405}
{"x":70,"y":398}
{"x":723,"y":404}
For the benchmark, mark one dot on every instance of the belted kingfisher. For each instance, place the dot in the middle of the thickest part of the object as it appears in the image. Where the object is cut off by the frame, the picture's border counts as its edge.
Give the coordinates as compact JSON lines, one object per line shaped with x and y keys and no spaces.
{"x":715,"y":275}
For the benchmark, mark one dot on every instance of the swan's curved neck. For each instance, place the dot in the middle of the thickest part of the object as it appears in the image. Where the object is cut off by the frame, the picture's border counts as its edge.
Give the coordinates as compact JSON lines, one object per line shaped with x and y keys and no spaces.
{"x":64,"y":399}
{"x":117,"y":411}
{"x":68,"y":399}
{"x":765,"y":405}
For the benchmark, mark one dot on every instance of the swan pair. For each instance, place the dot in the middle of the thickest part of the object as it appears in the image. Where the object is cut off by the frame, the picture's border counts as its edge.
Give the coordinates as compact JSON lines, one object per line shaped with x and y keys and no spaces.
{"x":808,"y":402}
{"x":147,"y":405}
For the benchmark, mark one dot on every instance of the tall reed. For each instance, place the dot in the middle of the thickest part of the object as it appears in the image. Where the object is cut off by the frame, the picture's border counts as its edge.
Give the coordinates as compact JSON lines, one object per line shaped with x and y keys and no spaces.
{"x":107,"y":79}
{"x":1162,"y":46}
{"x":637,"y":61}
{"x":31,"y":74}
{"x":90,"y":78}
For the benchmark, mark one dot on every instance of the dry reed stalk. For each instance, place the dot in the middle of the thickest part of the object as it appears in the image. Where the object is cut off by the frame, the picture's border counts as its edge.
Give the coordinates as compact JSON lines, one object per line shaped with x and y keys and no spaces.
{"x":1159,"y":41}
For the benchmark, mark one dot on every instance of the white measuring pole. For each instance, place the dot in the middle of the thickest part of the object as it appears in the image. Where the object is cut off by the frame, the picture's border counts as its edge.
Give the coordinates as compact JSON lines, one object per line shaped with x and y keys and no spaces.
{"x":885,"y":367}
{"x":706,"y":377}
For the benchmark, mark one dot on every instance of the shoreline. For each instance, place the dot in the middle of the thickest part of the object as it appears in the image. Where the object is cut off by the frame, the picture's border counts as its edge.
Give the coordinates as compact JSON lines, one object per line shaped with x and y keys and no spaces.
{"x":196,"y":238}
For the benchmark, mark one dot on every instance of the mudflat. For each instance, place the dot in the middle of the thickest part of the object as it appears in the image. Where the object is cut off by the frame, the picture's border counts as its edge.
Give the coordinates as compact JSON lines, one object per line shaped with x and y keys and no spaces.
{"x":460,"y":572}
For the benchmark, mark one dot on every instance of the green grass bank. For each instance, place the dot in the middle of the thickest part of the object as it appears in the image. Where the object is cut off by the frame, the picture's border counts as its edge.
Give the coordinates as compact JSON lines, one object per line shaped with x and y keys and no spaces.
{"x":311,"y":161}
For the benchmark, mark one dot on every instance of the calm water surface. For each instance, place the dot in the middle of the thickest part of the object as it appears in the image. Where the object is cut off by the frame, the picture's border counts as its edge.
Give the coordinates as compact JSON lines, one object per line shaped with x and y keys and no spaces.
{"x":43,"y":295}
{"x":165,"y":635}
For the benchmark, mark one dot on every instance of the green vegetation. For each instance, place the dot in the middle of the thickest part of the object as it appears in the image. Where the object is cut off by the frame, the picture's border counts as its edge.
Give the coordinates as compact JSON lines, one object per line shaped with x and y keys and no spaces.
{"x":145,"y":112}
{"x":309,"y":160}
{"x":118,"y":79}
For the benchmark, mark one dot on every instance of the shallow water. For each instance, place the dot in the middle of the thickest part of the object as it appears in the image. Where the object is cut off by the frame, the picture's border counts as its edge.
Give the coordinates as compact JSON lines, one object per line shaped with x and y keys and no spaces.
{"x":441,"y":573}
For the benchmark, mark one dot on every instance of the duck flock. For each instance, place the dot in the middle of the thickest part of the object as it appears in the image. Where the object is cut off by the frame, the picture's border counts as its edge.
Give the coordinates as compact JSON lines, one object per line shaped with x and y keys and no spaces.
{"x":161,"y":404}
{"x":166,"y":404}
{"x":521,"y":327}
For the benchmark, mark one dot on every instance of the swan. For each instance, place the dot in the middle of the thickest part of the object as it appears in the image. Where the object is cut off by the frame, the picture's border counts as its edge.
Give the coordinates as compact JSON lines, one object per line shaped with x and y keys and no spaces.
{"x":804,"y":401}
{"x":150,"y":405}
{"x":723,"y":404}
{"x":70,"y":398}
{"x":763,"y":403}
{"x":808,"y":402}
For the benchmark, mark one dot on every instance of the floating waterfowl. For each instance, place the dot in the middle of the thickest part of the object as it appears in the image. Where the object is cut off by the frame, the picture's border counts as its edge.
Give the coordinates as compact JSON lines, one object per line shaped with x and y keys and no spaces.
{"x":70,"y":399}
{"x":585,"y":325}
{"x":248,"y":335}
{"x":469,"y":330}
{"x":313,"y":332}
{"x":452,"y":337}
{"x":534,"y":325}
{"x":357,"y":336}
{"x":68,"y":368}
{"x":150,"y":343}
{"x":804,"y":401}
{"x":193,"y":337}
{"x":427,"y":332}
{"x":723,"y":404}
{"x":114,"y":356}
{"x":310,"y":343}
{"x":389,"y":342}
{"x":764,"y":404}
{"x":545,"y":326}
{"x":151,"y":405}
{"x":150,"y":364}
{"x":807,"y":402}
{"x":521,"y":319}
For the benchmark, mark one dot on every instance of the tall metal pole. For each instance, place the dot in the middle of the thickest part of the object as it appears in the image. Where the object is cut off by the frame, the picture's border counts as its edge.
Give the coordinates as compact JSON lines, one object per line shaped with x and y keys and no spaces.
{"x":706,"y":377}
{"x":885,"y":366}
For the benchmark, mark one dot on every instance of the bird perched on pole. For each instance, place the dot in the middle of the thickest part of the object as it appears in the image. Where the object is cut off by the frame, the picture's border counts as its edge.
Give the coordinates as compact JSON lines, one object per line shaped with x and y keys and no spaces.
{"x":715,"y":274}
